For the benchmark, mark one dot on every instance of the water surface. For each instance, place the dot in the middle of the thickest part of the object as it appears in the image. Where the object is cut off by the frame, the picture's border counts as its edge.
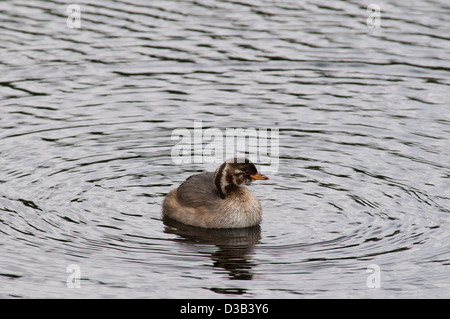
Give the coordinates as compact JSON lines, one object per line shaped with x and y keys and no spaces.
{"x":86,"y":122}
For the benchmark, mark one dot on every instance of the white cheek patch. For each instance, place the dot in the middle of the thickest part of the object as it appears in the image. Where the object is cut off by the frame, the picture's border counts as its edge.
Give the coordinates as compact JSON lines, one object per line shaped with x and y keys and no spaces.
{"x":239,"y":180}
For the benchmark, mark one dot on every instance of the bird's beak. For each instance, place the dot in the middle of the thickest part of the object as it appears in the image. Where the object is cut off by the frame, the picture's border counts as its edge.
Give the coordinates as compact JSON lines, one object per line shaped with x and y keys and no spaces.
{"x":258,"y":176}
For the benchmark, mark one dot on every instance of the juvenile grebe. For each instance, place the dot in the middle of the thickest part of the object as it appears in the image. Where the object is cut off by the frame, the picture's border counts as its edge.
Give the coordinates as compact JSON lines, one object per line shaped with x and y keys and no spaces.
{"x":217,"y":199}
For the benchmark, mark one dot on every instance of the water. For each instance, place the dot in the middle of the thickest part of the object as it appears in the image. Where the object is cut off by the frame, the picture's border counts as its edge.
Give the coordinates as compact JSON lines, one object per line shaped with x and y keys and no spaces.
{"x":86,"y":121}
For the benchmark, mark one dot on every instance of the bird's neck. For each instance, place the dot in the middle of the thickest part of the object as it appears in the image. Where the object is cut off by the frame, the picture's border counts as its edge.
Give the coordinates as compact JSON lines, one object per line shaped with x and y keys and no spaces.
{"x":224,"y":181}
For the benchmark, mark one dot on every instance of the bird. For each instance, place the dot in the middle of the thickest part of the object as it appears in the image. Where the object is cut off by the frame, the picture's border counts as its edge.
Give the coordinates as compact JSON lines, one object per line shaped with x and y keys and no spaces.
{"x":217,"y":199}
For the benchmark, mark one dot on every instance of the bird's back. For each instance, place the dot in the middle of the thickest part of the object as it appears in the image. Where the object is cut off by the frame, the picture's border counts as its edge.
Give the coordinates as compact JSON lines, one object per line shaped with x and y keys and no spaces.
{"x":198,"y":190}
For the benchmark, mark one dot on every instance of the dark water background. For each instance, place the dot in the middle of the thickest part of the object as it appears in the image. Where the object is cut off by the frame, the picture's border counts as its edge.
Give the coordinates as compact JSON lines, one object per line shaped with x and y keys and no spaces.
{"x":86,"y":117}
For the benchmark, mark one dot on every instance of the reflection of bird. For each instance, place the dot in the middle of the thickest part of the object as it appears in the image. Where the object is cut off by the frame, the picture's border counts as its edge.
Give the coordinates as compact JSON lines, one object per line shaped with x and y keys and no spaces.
{"x":234,"y":253}
{"x":219,"y":199}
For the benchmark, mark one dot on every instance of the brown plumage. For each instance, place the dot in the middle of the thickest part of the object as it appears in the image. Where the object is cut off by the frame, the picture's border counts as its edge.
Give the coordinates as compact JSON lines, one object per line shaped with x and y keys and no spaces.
{"x":217,"y":199}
